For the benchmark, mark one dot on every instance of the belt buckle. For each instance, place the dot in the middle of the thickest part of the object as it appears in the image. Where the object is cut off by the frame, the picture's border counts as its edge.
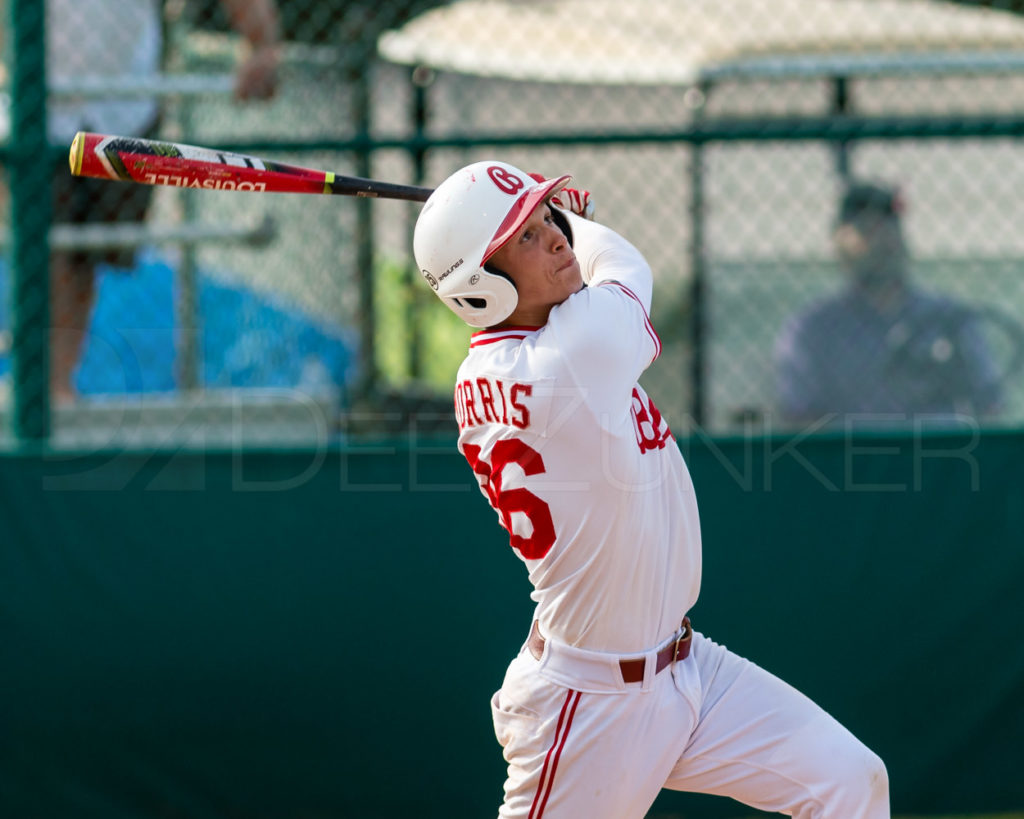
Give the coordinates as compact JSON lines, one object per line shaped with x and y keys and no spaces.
{"x":682,"y":638}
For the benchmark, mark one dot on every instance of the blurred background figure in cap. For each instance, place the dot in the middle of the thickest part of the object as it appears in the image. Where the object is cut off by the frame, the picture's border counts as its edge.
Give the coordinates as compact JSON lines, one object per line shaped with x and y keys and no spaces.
{"x":881,"y":348}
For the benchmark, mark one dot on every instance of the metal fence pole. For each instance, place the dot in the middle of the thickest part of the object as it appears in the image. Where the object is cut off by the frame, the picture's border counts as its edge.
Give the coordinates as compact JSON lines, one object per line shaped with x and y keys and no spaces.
{"x":30,"y":170}
{"x":421,"y":77}
{"x":698,"y":271}
{"x":187,"y":332}
{"x":841,"y":107}
{"x":361,"y":113}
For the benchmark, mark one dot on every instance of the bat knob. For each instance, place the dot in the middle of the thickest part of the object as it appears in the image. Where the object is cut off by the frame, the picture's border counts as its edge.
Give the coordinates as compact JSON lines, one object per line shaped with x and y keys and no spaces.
{"x":77,"y":153}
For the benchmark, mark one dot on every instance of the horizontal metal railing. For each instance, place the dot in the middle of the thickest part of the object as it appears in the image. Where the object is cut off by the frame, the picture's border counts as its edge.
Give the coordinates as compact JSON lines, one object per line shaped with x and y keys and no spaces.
{"x":103,"y":237}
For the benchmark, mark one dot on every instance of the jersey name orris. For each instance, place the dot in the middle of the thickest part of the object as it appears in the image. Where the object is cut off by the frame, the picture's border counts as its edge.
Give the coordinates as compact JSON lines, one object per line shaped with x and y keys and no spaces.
{"x":486,"y":400}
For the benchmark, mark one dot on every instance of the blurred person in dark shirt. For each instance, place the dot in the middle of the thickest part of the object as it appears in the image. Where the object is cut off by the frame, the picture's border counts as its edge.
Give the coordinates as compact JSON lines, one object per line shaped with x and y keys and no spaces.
{"x":881,"y":349}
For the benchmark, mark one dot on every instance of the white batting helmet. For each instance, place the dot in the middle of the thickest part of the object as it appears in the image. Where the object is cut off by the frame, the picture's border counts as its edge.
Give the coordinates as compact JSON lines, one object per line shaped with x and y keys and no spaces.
{"x":466,"y":220}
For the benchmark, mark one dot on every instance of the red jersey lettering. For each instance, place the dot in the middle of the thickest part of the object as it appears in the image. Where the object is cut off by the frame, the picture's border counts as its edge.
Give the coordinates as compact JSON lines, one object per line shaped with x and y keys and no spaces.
{"x":487,"y":399}
{"x":508,"y":502}
{"x":523,"y":419}
{"x":469,"y":399}
{"x":504,"y":401}
{"x":652,"y":432}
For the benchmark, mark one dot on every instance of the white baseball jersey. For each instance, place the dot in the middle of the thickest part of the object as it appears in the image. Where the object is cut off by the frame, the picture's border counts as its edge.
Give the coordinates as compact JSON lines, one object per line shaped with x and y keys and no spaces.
{"x":579,"y":464}
{"x":584,"y":473}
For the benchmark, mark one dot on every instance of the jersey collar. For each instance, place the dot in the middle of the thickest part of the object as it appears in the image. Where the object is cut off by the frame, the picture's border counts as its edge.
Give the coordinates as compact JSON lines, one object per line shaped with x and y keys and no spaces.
{"x":516,"y":333}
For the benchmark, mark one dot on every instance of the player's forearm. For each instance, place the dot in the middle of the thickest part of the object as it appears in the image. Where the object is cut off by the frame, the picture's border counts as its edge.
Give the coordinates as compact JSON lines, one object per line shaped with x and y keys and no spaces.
{"x":256,"y":20}
{"x":604,"y":255}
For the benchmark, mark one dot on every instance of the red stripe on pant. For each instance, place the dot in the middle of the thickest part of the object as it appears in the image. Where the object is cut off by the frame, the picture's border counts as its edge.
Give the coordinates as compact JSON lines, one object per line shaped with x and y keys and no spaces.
{"x":547,"y":778}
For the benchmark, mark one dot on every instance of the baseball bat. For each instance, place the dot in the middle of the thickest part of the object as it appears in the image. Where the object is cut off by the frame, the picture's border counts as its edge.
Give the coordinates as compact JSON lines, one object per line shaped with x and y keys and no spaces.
{"x":156,"y":162}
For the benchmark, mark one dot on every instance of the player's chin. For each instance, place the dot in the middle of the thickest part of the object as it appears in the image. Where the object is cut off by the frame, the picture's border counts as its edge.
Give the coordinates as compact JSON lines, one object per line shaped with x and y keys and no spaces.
{"x":569,"y":272}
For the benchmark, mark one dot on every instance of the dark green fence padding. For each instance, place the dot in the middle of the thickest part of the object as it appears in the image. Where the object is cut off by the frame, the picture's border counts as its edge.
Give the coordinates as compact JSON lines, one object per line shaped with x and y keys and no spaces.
{"x":267,"y":634}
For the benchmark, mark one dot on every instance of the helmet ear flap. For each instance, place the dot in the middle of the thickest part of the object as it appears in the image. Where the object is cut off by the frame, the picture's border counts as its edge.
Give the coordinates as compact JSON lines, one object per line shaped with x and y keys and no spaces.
{"x":490,"y":299}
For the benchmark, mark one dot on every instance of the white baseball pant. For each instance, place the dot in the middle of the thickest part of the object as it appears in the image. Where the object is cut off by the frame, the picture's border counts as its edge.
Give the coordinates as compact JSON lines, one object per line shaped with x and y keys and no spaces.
{"x":580,"y":742}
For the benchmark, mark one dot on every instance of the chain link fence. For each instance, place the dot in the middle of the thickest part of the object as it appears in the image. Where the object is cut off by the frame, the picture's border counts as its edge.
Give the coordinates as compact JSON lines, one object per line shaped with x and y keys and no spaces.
{"x":719,"y":137}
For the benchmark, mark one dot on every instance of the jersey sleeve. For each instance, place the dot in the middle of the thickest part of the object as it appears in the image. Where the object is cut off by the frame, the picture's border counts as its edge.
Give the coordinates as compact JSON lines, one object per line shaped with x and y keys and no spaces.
{"x":605,"y":256}
{"x":604,"y":333}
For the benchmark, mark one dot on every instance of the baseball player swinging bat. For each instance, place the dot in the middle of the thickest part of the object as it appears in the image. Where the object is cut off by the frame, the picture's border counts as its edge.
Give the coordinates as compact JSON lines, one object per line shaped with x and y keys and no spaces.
{"x":155,"y":162}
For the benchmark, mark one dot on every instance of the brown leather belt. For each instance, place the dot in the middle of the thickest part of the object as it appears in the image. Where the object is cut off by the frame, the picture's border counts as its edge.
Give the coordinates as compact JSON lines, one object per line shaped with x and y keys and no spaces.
{"x":632,"y":670}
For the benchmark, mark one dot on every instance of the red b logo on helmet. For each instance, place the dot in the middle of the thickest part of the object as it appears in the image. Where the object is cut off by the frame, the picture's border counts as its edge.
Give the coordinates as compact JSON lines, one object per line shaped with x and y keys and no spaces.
{"x":506,"y":181}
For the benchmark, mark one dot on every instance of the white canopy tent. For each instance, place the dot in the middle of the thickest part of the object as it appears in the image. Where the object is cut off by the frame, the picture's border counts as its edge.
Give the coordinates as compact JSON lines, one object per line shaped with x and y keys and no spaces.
{"x":681,"y":42}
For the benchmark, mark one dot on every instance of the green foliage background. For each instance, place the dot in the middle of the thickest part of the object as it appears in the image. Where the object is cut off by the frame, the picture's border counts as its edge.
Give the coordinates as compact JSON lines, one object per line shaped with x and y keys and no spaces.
{"x":419,"y":342}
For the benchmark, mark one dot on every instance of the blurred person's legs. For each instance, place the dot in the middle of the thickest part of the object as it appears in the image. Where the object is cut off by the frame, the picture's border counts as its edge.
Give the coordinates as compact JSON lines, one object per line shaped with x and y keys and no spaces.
{"x":79,"y":201}
{"x":72,"y":295}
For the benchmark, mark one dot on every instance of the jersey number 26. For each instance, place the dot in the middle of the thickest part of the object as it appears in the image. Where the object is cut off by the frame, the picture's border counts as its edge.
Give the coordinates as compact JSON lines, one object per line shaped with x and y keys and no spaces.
{"x":507,"y":502}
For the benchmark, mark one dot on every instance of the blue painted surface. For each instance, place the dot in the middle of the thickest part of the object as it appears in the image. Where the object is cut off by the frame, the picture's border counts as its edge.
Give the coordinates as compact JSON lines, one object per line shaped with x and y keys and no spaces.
{"x":247,"y":339}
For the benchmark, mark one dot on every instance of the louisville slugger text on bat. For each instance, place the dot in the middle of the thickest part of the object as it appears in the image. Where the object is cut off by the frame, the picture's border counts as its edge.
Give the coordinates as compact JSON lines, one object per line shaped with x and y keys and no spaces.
{"x":156,"y":162}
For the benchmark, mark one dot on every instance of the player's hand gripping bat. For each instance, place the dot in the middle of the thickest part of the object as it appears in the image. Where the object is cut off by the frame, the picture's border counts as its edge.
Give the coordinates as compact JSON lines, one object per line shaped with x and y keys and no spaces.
{"x":155,"y":162}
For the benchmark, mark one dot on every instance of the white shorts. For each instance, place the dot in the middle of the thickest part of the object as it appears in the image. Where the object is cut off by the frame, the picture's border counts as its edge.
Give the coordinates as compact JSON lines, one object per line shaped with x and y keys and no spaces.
{"x":581,"y":743}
